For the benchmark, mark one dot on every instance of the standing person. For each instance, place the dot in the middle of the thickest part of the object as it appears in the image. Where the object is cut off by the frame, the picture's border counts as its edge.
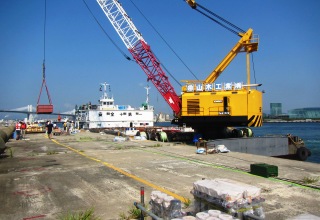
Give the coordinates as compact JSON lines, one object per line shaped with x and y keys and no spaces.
{"x":68,"y":127}
{"x":65,"y":126}
{"x":18,"y":130}
{"x":23,"y":130}
{"x":72,"y":127}
{"x":49,"y":128}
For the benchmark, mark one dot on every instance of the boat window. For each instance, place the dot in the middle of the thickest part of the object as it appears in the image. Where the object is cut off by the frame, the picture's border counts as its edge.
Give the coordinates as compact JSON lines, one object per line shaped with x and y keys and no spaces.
{"x":104,"y":103}
{"x":100,"y":114}
{"x":124,"y":113}
{"x":108,"y":113}
{"x":130,"y":114}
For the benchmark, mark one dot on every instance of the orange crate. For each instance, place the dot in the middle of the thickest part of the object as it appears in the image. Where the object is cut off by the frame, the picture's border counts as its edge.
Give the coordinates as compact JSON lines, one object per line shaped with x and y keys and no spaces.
{"x":44,"y":109}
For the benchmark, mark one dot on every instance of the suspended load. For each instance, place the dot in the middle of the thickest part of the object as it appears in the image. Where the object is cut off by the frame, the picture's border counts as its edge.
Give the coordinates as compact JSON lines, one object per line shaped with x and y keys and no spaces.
{"x":44,"y":108}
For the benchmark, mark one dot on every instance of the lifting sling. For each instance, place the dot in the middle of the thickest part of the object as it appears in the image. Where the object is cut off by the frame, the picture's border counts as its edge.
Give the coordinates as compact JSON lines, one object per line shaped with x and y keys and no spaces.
{"x":48,"y":108}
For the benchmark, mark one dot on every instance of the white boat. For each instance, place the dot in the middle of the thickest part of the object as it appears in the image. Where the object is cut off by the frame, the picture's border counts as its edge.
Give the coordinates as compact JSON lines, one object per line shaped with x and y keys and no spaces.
{"x":108,"y":115}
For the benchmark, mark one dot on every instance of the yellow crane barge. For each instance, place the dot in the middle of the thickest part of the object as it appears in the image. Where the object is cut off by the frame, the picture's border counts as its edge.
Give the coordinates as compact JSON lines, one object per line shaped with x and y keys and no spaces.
{"x":210,"y":108}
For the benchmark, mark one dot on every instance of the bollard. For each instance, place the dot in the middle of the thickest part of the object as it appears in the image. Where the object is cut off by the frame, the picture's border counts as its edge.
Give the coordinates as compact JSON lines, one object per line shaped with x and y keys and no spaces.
{"x":141,"y":201}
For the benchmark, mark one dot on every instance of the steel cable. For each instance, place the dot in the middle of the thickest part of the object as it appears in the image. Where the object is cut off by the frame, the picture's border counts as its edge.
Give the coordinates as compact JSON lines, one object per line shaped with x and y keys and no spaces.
{"x":112,"y":41}
{"x":222,"y":19}
{"x":218,"y":22}
{"x":173,"y":51}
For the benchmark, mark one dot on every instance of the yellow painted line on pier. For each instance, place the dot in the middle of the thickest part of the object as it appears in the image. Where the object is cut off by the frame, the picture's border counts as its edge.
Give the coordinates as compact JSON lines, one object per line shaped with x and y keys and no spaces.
{"x":154,"y":186}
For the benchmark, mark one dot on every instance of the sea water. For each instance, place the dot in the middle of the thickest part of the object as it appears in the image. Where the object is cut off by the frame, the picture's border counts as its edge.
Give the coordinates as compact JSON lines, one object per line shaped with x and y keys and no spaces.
{"x":309,"y":132}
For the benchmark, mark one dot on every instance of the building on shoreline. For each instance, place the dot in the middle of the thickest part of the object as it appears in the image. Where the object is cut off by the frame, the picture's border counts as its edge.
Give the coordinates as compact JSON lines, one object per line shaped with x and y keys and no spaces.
{"x":275,"y":109}
{"x":311,"y":113}
{"x":304,"y":113}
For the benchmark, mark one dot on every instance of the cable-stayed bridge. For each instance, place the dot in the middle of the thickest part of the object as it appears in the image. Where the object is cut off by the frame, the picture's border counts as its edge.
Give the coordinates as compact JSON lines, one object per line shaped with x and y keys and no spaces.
{"x":30,"y":110}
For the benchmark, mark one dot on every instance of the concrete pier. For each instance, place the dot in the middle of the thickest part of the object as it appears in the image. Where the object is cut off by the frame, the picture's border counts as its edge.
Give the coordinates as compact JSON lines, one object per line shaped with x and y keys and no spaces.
{"x":46,"y":179}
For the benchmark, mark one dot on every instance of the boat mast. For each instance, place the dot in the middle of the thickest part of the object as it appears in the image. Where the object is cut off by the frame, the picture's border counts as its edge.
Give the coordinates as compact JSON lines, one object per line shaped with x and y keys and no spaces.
{"x":104,"y":85}
{"x":147,"y":88}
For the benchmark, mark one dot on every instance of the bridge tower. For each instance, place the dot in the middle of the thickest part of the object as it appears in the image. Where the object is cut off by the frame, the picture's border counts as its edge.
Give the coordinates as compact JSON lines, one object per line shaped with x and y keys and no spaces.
{"x":29,"y":109}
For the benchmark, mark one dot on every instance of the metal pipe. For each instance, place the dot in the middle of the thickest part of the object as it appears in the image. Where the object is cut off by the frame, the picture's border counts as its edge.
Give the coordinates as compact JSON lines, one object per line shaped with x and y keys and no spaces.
{"x":139,"y":206}
{"x":252,"y":216}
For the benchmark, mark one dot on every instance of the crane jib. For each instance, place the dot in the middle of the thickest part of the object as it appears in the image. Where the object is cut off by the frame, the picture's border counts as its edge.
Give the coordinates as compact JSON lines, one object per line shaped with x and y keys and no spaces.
{"x":121,"y":22}
{"x":140,"y":51}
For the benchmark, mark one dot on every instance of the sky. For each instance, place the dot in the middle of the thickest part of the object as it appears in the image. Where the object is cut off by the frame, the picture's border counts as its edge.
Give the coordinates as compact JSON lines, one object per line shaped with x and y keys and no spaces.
{"x":79,"y":56}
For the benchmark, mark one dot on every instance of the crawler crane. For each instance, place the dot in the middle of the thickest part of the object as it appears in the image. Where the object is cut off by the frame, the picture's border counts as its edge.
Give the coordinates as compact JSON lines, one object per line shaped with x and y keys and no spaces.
{"x":206,"y":106}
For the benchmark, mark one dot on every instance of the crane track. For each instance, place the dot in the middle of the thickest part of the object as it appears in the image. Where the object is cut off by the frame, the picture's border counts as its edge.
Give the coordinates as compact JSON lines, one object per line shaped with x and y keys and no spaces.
{"x":199,"y":161}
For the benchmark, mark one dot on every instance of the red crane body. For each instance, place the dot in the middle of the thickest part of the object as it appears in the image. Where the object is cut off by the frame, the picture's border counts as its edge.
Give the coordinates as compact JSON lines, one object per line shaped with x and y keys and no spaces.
{"x":151,"y":66}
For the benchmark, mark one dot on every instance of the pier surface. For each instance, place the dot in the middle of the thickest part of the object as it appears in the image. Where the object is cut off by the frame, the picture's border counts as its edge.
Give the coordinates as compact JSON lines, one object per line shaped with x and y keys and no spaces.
{"x":47,"y":179}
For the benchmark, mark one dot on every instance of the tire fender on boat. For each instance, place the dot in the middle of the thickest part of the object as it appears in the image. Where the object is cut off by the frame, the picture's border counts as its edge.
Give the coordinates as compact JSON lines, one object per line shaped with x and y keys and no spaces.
{"x":302,"y":153}
{"x":162,"y":136}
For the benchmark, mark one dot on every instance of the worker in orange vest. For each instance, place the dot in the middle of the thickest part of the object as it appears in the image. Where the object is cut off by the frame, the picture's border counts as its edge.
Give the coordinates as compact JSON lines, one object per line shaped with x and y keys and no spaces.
{"x":18,"y":130}
{"x":23,"y":130}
